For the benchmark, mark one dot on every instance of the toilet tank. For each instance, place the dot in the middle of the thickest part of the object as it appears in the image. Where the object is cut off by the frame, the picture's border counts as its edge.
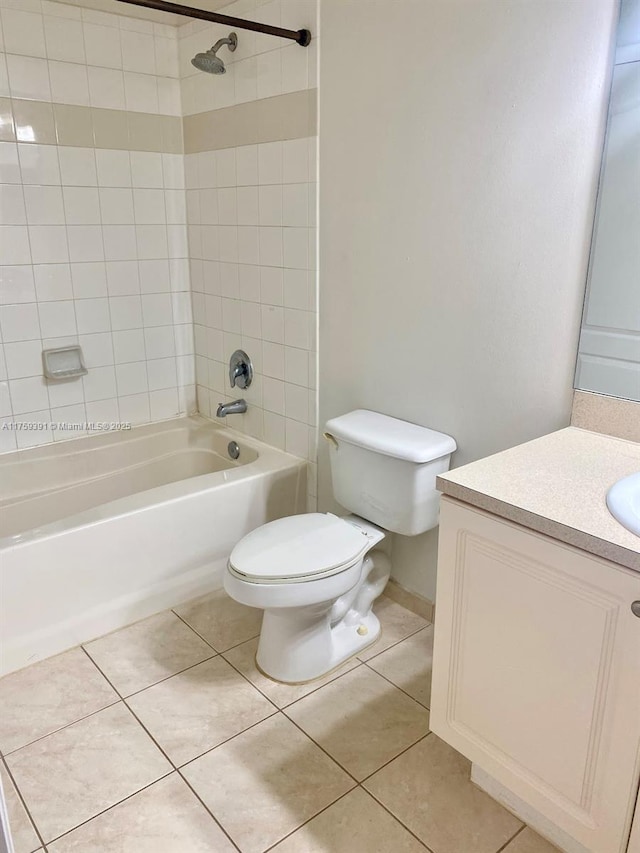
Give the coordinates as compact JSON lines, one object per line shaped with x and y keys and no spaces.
{"x":384,"y":469}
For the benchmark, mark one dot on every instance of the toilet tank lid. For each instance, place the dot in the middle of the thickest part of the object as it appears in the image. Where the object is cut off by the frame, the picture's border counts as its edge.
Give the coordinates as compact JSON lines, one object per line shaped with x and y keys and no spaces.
{"x":390,"y":436}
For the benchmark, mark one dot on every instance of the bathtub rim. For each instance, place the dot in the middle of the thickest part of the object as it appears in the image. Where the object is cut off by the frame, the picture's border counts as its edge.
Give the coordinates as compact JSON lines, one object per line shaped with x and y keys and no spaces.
{"x":269,"y":459}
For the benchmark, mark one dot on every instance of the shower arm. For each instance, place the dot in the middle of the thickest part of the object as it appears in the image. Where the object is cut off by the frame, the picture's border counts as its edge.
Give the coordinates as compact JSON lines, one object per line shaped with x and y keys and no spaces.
{"x":302,"y":37}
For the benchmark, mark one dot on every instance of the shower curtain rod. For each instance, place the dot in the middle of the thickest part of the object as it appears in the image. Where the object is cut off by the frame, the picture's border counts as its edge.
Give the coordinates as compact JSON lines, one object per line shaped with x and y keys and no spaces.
{"x":302,"y":37}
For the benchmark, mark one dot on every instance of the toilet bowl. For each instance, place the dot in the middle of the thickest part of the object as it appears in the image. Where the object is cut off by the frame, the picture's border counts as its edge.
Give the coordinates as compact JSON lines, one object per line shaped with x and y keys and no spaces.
{"x":317,"y":575}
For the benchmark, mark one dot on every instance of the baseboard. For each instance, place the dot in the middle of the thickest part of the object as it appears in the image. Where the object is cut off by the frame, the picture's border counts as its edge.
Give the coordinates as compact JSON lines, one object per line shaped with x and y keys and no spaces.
{"x":524,"y":812}
{"x":411,"y":600}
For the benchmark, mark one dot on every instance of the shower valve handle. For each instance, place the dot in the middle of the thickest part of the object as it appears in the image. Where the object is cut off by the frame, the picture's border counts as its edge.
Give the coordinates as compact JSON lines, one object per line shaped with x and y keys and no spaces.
{"x":240,"y":369}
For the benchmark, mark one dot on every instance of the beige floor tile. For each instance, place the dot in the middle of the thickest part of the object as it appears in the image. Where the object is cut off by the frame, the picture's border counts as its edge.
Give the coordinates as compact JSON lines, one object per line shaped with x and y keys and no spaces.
{"x":25,"y":839}
{"x":397,"y":623}
{"x":530,"y":842}
{"x":428,"y":789}
{"x":408,"y":664}
{"x":164,"y":818}
{"x":221,"y":620}
{"x":198,"y":709}
{"x":355,"y":823}
{"x":266,"y":782}
{"x":147,"y":652}
{"x":361,"y":720}
{"x":243,"y":657}
{"x":44,"y":697}
{"x":73,"y":774}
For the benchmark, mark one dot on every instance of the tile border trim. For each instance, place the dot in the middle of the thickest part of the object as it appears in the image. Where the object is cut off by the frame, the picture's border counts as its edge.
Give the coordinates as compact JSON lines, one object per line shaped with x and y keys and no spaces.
{"x":290,"y":116}
{"x":45,"y":123}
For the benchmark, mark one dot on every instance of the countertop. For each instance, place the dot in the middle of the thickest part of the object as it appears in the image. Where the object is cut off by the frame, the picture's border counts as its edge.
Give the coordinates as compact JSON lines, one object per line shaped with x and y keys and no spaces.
{"x":556,"y":485}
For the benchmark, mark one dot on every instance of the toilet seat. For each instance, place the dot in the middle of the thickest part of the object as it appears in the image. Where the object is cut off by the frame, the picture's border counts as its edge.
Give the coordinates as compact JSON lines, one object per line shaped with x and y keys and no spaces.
{"x":298,"y":548}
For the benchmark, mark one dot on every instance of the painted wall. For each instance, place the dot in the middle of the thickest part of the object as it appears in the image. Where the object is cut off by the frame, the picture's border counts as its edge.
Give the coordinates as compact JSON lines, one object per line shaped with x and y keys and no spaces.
{"x":459,"y":149}
{"x":93,"y":238}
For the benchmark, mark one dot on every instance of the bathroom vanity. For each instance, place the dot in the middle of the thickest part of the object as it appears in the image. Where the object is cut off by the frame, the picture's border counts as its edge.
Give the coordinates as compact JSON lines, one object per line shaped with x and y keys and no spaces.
{"x":536,"y":675}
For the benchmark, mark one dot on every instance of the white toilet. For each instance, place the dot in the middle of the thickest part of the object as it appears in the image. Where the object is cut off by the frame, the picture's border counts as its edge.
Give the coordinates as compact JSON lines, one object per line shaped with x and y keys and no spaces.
{"x":316,"y":575}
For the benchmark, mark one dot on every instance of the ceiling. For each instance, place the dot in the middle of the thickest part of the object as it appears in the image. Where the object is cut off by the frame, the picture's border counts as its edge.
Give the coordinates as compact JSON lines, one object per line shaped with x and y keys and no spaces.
{"x":118,"y":8}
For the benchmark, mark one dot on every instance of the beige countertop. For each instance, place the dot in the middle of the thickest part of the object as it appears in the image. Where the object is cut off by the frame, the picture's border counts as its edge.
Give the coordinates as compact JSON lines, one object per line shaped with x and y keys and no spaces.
{"x":556,"y":485}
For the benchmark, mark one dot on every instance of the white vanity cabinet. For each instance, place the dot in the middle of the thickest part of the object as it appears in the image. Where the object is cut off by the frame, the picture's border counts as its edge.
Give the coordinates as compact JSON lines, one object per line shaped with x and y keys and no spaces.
{"x":536,"y":675}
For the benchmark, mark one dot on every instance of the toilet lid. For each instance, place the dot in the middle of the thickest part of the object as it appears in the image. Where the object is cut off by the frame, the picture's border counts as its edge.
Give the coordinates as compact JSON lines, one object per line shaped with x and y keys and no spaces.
{"x":298,"y":547}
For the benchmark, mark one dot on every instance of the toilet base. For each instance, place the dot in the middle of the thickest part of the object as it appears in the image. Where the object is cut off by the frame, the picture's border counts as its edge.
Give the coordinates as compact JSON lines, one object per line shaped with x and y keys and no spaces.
{"x":304,"y":643}
{"x":368,"y":641}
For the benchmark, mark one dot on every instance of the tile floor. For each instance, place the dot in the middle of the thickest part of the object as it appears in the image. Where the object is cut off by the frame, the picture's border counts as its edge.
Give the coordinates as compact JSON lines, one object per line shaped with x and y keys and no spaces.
{"x":164,"y":738}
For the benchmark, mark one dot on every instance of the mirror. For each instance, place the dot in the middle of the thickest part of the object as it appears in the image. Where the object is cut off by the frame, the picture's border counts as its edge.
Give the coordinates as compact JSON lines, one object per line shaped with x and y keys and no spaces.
{"x":609,"y":349}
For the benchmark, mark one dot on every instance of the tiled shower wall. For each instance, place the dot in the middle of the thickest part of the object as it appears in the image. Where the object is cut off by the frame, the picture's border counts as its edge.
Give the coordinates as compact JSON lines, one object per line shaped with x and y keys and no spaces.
{"x":92,"y":219}
{"x":251,"y":175}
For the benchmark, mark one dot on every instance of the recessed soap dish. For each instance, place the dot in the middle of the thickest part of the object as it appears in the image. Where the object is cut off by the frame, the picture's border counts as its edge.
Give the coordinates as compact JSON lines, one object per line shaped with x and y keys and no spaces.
{"x":63,"y":363}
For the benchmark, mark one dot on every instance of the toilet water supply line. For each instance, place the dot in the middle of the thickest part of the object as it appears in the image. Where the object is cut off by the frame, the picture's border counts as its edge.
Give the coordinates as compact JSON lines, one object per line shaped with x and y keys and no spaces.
{"x":353,"y":605}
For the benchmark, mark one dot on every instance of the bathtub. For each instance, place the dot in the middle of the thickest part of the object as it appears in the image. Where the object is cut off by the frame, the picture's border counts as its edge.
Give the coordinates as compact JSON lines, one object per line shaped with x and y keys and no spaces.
{"x":98,"y":532}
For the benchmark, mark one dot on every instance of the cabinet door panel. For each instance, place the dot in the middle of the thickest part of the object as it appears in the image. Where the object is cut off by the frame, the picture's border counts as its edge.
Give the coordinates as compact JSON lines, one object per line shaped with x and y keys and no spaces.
{"x":537,"y":671}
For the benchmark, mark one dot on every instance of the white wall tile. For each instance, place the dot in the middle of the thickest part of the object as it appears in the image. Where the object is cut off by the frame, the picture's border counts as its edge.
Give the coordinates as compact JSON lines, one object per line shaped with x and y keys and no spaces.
{"x":106,"y":88}
{"x":48,"y":244}
{"x":44,"y":205}
{"x":28,"y":78}
{"x":53,"y":282}
{"x":102,"y":45}
{"x":23,"y":32}
{"x":12,"y":205}
{"x":9,"y":163}
{"x":81,"y":206}
{"x":69,"y":83}
{"x":77,"y":166}
{"x":39,"y":164}
{"x":57,"y":319}
{"x":64,"y":39}
{"x":89,"y":280}
{"x":16,"y":284}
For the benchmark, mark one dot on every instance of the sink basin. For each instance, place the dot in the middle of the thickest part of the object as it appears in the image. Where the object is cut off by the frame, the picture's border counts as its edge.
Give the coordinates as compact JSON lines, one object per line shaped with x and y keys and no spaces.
{"x":623,"y":500}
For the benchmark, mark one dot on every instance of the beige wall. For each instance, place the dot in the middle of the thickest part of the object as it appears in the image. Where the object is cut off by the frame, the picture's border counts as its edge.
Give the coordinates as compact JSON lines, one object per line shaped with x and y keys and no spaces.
{"x":459,"y":150}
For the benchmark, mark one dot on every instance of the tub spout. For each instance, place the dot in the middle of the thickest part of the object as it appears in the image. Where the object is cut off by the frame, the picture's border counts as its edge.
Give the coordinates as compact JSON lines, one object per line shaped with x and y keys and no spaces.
{"x":238,"y":407}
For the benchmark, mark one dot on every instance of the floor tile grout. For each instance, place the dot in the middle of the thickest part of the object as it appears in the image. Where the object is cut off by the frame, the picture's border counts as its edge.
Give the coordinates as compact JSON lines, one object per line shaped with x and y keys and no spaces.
{"x":178,"y":769}
{"x":393,"y":645}
{"x":62,"y":728}
{"x":395,"y":817}
{"x":126,"y":696}
{"x":401,"y":689}
{"x":23,"y":801}
{"x":402,"y":752}
{"x":205,"y":806}
{"x":513,"y":837}
{"x":112,"y":806}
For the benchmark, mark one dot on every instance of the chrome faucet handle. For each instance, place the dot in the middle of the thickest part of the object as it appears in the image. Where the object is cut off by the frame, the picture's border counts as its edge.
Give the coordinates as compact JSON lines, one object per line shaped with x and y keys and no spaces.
{"x":240,"y":369}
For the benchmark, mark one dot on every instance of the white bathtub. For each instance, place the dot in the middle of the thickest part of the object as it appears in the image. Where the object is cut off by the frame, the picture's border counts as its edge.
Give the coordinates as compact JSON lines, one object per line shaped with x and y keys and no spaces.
{"x":98,"y":532}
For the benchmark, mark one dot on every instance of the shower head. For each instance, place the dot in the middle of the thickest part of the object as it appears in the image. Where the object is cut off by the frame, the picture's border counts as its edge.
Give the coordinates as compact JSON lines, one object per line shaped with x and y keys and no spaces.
{"x":209,"y":62}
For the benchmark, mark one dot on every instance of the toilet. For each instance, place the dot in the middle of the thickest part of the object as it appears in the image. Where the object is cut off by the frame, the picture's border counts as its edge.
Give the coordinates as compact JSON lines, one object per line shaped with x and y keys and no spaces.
{"x":316,"y":575}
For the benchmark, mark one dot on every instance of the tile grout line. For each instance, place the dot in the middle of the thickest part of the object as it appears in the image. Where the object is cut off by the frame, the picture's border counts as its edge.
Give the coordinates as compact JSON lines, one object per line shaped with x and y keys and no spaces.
{"x":401,"y":689}
{"x":66,"y":726}
{"x":513,"y":837}
{"x":206,"y":807}
{"x":173,"y":765}
{"x":23,"y":801}
{"x":112,"y":806}
{"x":386,"y":763}
{"x":395,"y":817}
{"x":397,"y":642}
{"x":293,"y":831}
